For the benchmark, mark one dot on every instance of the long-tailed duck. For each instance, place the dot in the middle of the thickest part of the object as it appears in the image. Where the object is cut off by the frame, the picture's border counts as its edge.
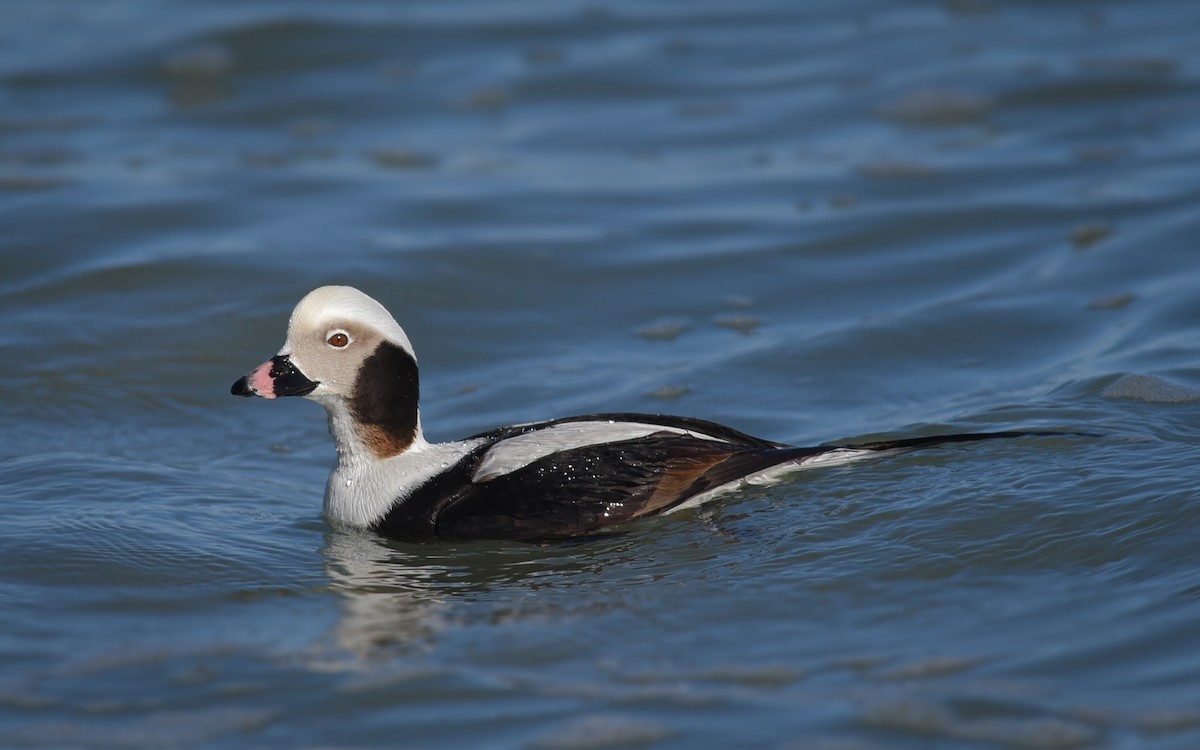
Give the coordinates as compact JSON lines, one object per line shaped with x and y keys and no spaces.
{"x":539,"y":481}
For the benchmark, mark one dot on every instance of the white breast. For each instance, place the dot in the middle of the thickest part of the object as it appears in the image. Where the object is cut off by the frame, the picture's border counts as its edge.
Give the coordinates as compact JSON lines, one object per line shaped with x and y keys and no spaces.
{"x":362,"y":488}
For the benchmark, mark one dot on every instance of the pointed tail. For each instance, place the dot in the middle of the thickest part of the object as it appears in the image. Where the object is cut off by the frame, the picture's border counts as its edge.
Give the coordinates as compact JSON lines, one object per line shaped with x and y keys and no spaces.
{"x":930,"y":441}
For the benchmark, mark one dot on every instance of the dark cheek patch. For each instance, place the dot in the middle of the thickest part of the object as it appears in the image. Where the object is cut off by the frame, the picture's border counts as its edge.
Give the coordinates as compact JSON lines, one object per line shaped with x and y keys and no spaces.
{"x":385,"y":400}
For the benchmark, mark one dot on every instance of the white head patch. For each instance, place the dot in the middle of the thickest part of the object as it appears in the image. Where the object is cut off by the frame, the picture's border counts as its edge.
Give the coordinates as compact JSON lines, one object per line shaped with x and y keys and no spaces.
{"x":330,"y":306}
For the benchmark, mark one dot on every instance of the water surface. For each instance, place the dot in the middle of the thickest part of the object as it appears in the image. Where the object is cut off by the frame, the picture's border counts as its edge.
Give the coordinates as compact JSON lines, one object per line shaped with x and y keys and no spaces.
{"x":811,"y":221}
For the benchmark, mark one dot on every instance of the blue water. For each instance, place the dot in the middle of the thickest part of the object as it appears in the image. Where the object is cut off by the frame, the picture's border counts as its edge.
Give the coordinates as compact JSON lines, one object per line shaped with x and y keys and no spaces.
{"x":810,"y":221}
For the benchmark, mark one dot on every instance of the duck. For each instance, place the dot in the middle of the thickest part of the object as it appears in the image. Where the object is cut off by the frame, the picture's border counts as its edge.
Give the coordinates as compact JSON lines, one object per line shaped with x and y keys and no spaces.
{"x":543,"y":481}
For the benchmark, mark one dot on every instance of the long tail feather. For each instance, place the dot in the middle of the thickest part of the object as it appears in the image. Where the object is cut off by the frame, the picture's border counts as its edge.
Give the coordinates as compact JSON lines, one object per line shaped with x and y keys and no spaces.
{"x":929,"y":441}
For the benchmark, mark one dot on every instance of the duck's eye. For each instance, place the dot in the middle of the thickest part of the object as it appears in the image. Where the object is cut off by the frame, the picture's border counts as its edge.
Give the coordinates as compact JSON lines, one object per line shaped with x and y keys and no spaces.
{"x":338,"y":340}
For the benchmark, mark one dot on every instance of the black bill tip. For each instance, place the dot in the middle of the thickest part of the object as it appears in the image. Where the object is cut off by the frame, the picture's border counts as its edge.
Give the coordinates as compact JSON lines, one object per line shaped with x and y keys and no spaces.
{"x":242,"y":387}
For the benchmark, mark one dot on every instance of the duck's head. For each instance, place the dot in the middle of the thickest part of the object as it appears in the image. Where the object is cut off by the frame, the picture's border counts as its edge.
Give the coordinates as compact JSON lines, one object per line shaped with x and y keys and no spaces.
{"x":345,"y":351}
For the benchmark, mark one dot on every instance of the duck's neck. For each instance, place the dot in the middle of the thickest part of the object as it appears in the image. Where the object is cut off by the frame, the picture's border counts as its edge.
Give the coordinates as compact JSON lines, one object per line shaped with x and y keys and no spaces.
{"x":364,"y":484}
{"x":358,"y":442}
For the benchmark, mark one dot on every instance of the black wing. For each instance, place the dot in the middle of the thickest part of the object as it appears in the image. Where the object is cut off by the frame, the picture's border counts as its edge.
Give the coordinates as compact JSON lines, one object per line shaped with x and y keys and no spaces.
{"x":582,"y":490}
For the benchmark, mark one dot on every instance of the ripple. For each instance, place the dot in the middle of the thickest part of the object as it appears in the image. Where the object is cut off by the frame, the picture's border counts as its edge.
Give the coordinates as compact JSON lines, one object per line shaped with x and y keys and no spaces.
{"x":809,"y":221}
{"x":1151,"y":389}
{"x":604,"y":730}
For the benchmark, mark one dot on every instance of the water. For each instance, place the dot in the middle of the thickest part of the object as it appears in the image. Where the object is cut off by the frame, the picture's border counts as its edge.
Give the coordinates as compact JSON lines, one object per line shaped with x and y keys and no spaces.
{"x":811,"y":221}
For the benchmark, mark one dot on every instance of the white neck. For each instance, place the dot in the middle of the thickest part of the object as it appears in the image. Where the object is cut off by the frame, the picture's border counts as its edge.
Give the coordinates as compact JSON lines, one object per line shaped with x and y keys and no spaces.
{"x":362,"y":487}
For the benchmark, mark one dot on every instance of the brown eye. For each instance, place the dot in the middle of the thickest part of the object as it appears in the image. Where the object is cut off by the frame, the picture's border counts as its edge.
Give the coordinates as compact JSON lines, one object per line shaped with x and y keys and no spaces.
{"x":338,"y":340}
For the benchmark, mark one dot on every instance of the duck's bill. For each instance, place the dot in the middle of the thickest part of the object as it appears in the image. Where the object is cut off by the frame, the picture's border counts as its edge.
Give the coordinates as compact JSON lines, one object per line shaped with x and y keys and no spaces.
{"x":276,"y":377}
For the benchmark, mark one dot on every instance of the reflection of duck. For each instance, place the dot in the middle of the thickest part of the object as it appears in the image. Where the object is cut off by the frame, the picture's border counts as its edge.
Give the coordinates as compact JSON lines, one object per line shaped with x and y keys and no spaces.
{"x":389,"y":604}
{"x":544,"y":480}
{"x":397,"y":598}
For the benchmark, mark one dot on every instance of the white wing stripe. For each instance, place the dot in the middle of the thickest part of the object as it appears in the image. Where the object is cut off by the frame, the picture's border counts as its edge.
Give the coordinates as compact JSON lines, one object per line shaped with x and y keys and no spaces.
{"x":514,"y":453}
